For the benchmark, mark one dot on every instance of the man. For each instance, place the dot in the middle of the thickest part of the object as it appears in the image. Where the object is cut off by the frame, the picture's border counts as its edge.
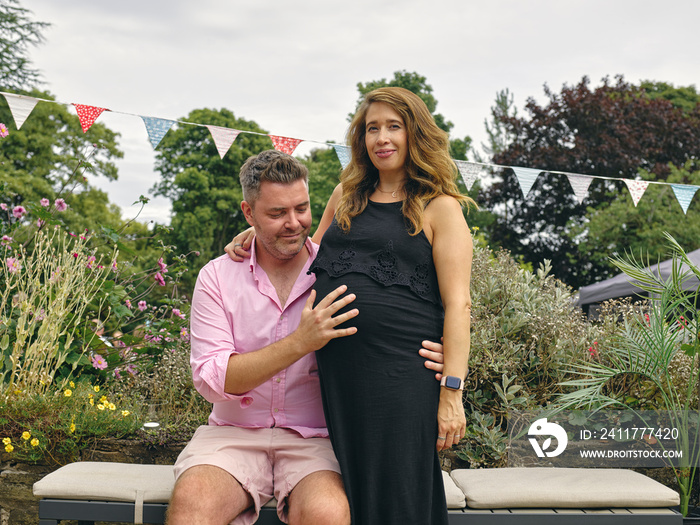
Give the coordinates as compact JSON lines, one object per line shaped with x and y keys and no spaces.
{"x":254,"y":331}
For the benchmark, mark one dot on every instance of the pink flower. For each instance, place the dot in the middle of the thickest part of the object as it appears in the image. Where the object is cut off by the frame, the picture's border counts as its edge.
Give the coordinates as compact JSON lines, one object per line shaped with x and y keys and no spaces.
{"x":163,"y":267}
{"x":593,"y":350}
{"x":159,"y":279}
{"x":3,"y":206}
{"x":60,"y":205}
{"x":3,"y":130}
{"x":18,"y":211}
{"x":114,"y":266}
{"x":178,"y":313}
{"x":6,"y":239}
{"x":184,"y":334}
{"x":45,"y":202}
{"x":13,"y":265}
{"x":131,"y":369}
{"x":99,"y":362}
{"x":142,"y":305}
{"x":128,"y":304}
{"x":91,"y":261}
{"x":40,"y":223}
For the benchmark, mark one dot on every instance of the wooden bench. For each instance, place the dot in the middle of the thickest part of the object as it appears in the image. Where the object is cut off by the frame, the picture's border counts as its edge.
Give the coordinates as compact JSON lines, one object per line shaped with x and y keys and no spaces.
{"x":118,"y":492}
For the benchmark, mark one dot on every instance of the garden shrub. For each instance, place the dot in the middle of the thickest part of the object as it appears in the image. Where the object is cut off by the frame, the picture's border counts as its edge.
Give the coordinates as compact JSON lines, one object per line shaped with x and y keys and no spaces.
{"x":525,"y":332}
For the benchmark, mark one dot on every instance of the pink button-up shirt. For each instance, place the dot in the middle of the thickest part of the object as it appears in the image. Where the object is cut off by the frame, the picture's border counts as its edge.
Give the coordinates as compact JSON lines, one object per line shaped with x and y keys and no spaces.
{"x":235,"y":309}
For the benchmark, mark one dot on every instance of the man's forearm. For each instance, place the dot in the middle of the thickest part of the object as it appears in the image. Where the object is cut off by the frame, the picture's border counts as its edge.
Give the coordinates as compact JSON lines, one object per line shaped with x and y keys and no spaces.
{"x":249,"y":370}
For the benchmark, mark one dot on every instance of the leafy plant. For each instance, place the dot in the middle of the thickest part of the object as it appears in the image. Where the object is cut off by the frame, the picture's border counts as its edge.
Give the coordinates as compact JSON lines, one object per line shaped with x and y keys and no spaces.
{"x":640,"y":368}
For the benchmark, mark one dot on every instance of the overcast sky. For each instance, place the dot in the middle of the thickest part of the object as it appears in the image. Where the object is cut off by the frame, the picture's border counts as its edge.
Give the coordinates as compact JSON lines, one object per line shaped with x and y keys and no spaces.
{"x":293,"y":66}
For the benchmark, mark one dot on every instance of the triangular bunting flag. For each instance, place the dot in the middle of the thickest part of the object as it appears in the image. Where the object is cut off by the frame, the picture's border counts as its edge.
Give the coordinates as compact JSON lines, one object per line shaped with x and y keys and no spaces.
{"x":684,"y":194}
{"x":88,"y":115}
{"x":157,"y":128}
{"x":470,"y":172}
{"x":343,"y":153}
{"x":20,"y":107}
{"x":580,"y":184}
{"x":526,"y":178}
{"x":637,"y":189}
{"x":223,"y":138}
{"x":285,"y":144}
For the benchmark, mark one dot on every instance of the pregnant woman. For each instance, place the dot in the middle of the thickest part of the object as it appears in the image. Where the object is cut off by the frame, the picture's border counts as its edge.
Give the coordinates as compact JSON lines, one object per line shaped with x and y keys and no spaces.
{"x":394,"y":233}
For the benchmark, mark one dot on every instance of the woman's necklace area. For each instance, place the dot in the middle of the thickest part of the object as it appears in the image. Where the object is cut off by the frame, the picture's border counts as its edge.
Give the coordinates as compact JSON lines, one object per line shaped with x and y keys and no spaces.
{"x":394,"y":193}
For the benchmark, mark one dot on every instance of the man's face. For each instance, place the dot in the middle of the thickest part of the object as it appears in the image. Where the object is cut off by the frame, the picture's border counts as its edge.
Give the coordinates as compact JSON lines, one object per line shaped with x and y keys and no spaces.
{"x":281,"y":218}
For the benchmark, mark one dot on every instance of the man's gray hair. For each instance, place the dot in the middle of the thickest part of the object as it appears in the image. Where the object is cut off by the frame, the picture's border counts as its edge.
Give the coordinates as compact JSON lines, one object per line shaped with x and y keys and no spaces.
{"x":271,"y":166}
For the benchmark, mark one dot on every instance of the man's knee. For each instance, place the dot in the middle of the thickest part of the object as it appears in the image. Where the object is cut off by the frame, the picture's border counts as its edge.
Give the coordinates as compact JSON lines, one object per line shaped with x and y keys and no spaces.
{"x":320,"y":499}
{"x":208,"y":493}
{"x":332,"y":511}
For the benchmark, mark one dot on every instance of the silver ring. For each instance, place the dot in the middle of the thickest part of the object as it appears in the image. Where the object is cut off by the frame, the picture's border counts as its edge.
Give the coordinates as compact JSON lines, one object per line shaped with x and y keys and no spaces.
{"x":442,"y":437}
{"x":238,"y":244}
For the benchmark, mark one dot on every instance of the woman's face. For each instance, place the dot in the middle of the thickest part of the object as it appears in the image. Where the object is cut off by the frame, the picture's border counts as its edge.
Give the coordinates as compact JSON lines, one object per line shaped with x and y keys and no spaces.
{"x":386,"y":139}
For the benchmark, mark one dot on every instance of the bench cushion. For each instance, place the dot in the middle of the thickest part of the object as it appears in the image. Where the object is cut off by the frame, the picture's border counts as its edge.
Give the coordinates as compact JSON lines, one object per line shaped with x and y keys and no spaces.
{"x":454,"y":496}
{"x":497,"y":488}
{"x":87,"y":480}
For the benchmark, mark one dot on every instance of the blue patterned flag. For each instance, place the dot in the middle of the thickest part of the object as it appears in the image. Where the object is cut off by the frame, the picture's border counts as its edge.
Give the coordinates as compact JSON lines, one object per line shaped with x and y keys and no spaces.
{"x":684,"y":194}
{"x":526,"y":178}
{"x":343,"y":153}
{"x":157,"y":128}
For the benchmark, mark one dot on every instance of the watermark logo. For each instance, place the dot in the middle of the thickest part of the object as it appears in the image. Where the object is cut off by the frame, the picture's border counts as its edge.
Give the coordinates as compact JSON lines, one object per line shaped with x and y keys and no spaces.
{"x":542,"y":427}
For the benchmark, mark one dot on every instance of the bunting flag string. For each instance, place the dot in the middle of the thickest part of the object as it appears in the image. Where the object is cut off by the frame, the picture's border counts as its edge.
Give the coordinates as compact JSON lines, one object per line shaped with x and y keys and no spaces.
{"x":526,"y":177}
{"x":637,"y":189}
{"x":21,"y":106}
{"x":684,"y":194}
{"x":285,"y":144}
{"x":471,"y":172}
{"x":343,"y":154}
{"x":580,"y":184}
{"x":157,"y":128}
{"x":223,"y":138}
{"x":88,"y":115}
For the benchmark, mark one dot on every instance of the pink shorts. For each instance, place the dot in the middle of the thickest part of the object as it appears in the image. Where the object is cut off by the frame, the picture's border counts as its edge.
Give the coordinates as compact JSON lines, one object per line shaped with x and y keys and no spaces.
{"x":267,"y":462}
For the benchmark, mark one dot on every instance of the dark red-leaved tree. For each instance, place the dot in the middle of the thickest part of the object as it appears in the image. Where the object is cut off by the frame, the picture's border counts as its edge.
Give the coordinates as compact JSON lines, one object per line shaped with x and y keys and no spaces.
{"x":611,"y":131}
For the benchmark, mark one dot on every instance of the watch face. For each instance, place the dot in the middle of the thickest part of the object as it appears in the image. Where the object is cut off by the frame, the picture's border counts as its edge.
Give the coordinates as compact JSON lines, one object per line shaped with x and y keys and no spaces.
{"x":453,"y":382}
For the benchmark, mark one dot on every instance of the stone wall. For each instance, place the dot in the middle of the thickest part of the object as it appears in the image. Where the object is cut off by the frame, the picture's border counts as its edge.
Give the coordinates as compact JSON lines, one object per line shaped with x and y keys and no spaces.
{"x":18,"y":506}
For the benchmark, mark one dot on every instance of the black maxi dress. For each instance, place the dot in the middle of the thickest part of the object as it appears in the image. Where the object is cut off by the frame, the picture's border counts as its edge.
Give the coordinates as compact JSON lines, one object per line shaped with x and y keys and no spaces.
{"x":380,"y":401}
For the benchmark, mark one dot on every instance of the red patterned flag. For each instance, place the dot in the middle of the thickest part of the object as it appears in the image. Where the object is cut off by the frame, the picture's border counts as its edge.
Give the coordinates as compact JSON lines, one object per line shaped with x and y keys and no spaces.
{"x":88,"y":115}
{"x":285,"y":144}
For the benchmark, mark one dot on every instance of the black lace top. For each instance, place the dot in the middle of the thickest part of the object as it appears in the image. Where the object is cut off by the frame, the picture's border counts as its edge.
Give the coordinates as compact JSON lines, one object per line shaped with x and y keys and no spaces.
{"x":378,"y":245}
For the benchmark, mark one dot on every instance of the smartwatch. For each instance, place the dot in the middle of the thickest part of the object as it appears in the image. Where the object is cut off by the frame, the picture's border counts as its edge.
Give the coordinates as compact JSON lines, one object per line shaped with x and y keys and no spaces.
{"x":452,"y":382}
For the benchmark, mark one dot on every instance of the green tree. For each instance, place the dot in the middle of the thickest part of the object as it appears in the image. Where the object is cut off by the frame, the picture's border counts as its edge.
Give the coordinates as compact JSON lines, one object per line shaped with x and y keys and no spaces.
{"x":324,"y":176}
{"x":611,"y":131}
{"x":418,"y":85}
{"x":18,"y":32}
{"x":205,"y":189}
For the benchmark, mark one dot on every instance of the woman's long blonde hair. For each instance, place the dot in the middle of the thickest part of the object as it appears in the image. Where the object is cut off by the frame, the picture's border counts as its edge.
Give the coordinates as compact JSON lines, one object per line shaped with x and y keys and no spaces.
{"x":430,"y":170}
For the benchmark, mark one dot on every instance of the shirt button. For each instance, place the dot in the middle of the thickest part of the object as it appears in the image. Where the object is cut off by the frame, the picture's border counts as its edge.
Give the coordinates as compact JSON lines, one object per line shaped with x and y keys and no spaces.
{"x":277,"y":380}
{"x":277,"y":410}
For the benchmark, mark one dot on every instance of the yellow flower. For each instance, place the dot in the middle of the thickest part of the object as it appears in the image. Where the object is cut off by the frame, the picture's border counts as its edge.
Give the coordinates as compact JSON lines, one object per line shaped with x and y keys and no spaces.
{"x":68,"y":393}
{"x":96,"y":388}
{"x":100,"y":407}
{"x":26,"y":435}
{"x":92,"y":402}
{"x":71,"y":384}
{"x":72,"y":427}
{"x":103,"y":399}
{"x":35,"y":442}
{"x":9,"y":448}
{"x":6,"y":441}
{"x":112,"y":406}
{"x":125,"y":413}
